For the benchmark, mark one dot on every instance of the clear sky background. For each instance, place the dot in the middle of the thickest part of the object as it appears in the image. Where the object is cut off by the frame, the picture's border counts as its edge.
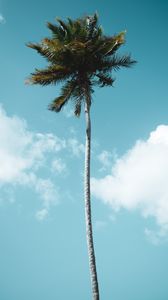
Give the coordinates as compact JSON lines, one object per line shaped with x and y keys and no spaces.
{"x":43,"y":253}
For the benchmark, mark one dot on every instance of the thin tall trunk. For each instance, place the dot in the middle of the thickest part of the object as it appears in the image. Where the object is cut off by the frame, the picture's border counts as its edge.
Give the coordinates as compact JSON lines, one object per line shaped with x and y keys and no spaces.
{"x":89,"y":235}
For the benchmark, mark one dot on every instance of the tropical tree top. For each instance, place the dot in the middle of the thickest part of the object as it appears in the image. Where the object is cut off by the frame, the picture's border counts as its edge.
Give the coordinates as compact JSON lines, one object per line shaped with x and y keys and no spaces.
{"x":81,"y":56}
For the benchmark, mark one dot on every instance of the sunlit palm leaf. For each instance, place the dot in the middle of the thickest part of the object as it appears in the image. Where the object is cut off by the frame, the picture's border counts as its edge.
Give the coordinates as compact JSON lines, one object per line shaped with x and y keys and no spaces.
{"x":51,"y":75}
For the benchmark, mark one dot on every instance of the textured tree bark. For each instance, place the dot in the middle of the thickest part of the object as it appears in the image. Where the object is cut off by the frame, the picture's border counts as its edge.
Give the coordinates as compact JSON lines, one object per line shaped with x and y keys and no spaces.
{"x":89,"y":235}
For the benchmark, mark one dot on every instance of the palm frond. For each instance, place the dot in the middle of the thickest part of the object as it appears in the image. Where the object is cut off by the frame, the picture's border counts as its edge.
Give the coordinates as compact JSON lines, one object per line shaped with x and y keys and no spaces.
{"x":66,"y":93}
{"x":63,"y":24}
{"x":77,"y":110}
{"x":48,"y":52}
{"x":36,"y":47}
{"x":104,"y":80}
{"x":115,"y":63}
{"x":51,"y":75}
{"x":98,"y":33}
{"x":70,"y":22}
{"x":57,"y":31}
{"x":54,"y":28}
{"x":92,"y":25}
{"x":119,"y":40}
{"x":125,"y":61}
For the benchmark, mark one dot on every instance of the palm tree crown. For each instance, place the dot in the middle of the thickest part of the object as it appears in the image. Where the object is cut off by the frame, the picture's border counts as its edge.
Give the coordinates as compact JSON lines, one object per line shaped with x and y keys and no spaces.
{"x":81,"y":56}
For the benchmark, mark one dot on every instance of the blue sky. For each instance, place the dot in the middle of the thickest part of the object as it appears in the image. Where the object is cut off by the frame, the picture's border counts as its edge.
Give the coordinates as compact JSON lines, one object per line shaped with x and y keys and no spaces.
{"x":42,"y":227}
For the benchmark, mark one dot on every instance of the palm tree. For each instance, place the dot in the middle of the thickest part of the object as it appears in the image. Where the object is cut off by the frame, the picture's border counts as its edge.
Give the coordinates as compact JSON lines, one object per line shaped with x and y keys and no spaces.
{"x":80,"y":56}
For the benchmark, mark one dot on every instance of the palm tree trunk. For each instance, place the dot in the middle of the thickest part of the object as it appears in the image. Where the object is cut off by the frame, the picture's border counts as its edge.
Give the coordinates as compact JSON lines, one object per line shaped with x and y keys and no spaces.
{"x":89,"y":235}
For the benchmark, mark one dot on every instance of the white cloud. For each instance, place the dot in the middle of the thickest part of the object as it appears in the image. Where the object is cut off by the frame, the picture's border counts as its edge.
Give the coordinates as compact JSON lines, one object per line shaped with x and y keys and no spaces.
{"x":23,"y":153}
{"x":42,"y":214}
{"x":76,"y":147}
{"x":2,"y":19}
{"x":105,"y":158}
{"x":156,"y":237}
{"x":139,"y":180}
{"x":58,"y":166}
{"x":47,"y":191}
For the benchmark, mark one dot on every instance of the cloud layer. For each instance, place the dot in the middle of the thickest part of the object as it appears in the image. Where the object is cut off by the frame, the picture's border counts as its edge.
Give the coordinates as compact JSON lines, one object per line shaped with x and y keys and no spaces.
{"x":23,"y":154}
{"x":139,"y":180}
{"x":22,"y":151}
